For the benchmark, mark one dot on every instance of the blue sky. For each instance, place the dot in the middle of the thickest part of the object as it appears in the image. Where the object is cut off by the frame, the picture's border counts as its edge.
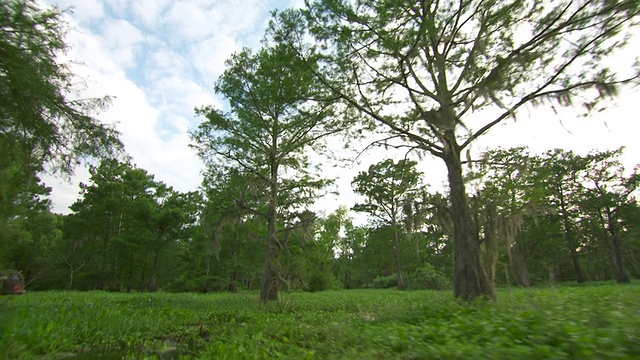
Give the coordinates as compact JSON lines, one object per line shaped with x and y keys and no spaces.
{"x":160,"y":59}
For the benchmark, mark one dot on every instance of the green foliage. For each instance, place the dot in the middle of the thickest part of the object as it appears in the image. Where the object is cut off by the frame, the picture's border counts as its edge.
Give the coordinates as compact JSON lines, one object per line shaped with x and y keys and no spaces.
{"x":38,"y":123}
{"x":422,"y":71}
{"x":278,"y":117}
{"x":42,"y":128}
{"x":427,"y":277}
{"x":385,"y":282}
{"x":541,"y":323}
{"x":386,"y":185}
{"x":568,"y":216}
{"x":124,"y":230}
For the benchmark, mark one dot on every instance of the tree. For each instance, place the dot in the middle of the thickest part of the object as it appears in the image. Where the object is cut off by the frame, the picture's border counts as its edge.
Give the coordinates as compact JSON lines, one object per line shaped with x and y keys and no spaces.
{"x":560,"y":173}
{"x":423,"y":69}
{"x":41,"y":127}
{"x":608,"y":194}
{"x":232,"y":236}
{"x":505,"y":197}
{"x":104,"y":212}
{"x":386,"y":186}
{"x":168,"y":215}
{"x":277,"y":117}
{"x":38,"y":122}
{"x":124,"y":224}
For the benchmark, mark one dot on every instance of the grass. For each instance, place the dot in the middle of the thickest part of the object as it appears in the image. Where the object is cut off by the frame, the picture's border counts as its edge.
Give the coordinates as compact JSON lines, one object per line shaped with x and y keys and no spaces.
{"x":587,"y":322}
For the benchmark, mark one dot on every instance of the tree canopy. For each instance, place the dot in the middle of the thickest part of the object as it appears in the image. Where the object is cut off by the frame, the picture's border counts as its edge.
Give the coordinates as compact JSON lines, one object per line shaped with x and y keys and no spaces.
{"x":40,"y":123}
{"x":423,"y":78}
{"x":278,"y":116}
{"x":425,"y":70}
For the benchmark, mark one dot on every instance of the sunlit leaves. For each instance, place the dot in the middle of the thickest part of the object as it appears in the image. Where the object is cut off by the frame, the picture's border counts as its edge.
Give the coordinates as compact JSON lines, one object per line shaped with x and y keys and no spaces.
{"x":385,"y":185}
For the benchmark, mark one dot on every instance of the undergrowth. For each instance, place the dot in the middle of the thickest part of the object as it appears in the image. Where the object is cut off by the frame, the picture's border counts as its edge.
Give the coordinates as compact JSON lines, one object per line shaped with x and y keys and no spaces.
{"x":554,"y":323}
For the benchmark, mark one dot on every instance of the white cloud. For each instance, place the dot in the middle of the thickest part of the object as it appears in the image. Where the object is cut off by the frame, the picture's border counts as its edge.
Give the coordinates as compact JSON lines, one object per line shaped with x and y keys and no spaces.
{"x":122,"y":40}
{"x":188,"y":20}
{"x":119,"y":7}
{"x":164,"y":61}
{"x":95,"y":57}
{"x":149,"y":11}
{"x":208,"y":56}
{"x":160,"y":59}
{"x":85,"y":11}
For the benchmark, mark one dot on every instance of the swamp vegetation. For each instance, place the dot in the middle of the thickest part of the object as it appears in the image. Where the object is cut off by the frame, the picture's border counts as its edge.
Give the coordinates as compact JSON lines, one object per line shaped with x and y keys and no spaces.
{"x":596,"y":321}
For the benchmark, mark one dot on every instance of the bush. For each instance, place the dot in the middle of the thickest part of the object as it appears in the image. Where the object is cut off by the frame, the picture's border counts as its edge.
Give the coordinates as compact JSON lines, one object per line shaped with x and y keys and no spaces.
{"x":427,"y":278}
{"x":322,"y":281}
{"x":385,"y":282}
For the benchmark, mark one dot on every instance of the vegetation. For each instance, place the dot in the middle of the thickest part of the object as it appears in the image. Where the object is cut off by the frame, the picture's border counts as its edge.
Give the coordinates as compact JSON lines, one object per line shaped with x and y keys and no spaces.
{"x":552,"y":231}
{"x":425,"y":70}
{"x":277,"y":116}
{"x":39,"y":125}
{"x":387,"y":186}
{"x":429,"y":73}
{"x":595,"y":321}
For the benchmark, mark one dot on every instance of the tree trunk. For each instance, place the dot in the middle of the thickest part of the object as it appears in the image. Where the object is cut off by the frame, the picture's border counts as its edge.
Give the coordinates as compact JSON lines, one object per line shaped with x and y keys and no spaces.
{"x":113,"y":277}
{"x":72,"y":271}
{"x":618,"y":267}
{"x":469,"y":277}
{"x":71,"y":279}
{"x":103,"y":265}
{"x":396,"y":238}
{"x":616,"y":253}
{"x":490,"y":241}
{"x":571,"y":242}
{"x":520,"y":267}
{"x":153,"y":284}
{"x":144,"y":269}
{"x":269,"y":284}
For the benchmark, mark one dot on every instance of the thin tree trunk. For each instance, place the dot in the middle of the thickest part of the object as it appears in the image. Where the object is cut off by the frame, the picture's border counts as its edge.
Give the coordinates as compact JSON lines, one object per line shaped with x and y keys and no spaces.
{"x":520,"y":266}
{"x":72,"y":271}
{"x":469,"y":277}
{"x":71,"y":279}
{"x":616,"y":253}
{"x":571,"y":242}
{"x":103,"y":264}
{"x":154,"y":275}
{"x":618,"y":266}
{"x":396,"y":238}
{"x":490,"y":241}
{"x":113,"y":280}
{"x":269,"y":284}
{"x":113,"y":276}
{"x":144,"y":269}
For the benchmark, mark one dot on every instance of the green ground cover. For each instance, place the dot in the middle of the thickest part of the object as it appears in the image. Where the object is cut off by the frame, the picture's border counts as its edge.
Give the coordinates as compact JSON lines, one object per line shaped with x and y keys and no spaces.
{"x":594,"y":321}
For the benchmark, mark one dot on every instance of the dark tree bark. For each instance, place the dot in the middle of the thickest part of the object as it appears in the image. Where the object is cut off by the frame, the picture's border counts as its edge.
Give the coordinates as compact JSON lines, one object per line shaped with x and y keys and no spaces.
{"x":571,"y":242}
{"x":616,"y":253}
{"x":618,"y":266}
{"x":469,"y":278}
{"x":269,"y":285}
{"x":520,"y":267}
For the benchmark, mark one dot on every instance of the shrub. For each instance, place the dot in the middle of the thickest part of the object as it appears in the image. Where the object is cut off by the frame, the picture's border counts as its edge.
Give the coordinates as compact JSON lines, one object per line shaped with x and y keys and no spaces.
{"x":427,"y":278}
{"x":385,"y":282}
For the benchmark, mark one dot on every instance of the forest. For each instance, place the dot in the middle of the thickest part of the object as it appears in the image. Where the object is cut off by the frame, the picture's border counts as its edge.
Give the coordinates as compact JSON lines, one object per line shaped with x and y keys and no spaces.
{"x":414,"y":77}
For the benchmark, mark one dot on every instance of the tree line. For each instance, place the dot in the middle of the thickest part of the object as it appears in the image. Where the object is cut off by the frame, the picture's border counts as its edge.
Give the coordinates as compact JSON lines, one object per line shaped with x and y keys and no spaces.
{"x":426,"y":78}
{"x":539,"y":219}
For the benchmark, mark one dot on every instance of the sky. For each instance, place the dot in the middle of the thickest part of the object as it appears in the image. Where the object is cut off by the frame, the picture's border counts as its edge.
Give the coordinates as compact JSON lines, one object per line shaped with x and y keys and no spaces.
{"x":159,"y":59}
